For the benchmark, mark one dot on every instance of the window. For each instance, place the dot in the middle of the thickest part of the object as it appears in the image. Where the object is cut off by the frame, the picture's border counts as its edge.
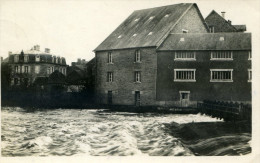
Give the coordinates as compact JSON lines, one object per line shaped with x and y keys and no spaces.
{"x":184,"y":75}
{"x":151,"y":17}
{"x":110,"y":76}
{"x":137,"y":56}
{"x":37,"y":58}
{"x":221,"y":75}
{"x":249,"y":75}
{"x":16,"y":81}
{"x":137,"y":76}
{"x":16,"y":69}
{"x":48,"y":70}
{"x":187,"y":56}
{"x":37,"y":69}
{"x":16,"y":58}
{"x":221,"y":38}
{"x":182,"y":39}
{"x":52,"y":69}
{"x":211,"y":29}
{"x":249,"y":55}
{"x":109,"y":54}
{"x":64,"y":71}
{"x":53,"y":59}
{"x":26,"y":69}
{"x":26,"y":58}
{"x":221,"y":55}
{"x":185,"y":31}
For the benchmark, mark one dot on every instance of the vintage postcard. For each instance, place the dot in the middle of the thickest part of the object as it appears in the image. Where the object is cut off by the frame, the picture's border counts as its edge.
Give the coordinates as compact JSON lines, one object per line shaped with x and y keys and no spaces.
{"x":94,"y":80}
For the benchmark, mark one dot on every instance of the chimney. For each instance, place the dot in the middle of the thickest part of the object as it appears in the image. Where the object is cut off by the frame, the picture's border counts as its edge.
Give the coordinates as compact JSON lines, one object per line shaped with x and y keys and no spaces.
{"x":9,"y":53}
{"x":79,"y":61}
{"x":229,"y":21}
{"x":47,"y":50}
{"x":36,"y":47}
{"x":223,"y":14}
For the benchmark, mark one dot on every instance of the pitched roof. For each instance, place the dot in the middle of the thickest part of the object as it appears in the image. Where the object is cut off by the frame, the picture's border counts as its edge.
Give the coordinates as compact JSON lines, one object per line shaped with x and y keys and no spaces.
{"x":207,"y":41}
{"x":240,"y":28}
{"x":56,"y":78}
{"x":145,"y":28}
{"x":220,"y":24}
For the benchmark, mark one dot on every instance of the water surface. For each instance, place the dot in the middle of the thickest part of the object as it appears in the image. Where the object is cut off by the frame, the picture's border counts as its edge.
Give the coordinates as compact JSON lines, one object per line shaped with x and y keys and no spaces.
{"x":67,"y":132}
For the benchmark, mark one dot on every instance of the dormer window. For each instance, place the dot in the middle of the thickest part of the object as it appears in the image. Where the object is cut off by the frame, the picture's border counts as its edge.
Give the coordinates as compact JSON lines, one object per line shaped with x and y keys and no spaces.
{"x":150,"y":33}
{"x":182,"y":39}
{"x":37,"y":58}
{"x":26,"y":58}
{"x":221,"y":39}
{"x":134,"y":35}
{"x":211,"y":29}
{"x":16,"y":58}
{"x":185,"y":31}
{"x":119,"y":36}
{"x":151,"y":17}
{"x":167,"y":15}
{"x":136,"y":19}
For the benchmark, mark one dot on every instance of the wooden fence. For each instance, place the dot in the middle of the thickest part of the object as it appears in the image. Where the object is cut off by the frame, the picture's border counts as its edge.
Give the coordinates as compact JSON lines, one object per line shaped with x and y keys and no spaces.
{"x":229,"y":111}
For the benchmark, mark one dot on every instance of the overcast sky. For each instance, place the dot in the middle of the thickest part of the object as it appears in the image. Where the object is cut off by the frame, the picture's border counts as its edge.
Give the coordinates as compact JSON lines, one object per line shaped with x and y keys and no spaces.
{"x":73,"y":29}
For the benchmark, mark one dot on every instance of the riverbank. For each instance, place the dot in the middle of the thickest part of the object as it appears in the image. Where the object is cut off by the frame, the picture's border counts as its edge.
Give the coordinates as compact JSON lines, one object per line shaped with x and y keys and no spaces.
{"x":214,"y":138}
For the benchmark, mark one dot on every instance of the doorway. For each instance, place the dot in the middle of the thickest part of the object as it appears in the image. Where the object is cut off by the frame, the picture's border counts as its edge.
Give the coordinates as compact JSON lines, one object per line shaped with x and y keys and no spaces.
{"x":137,"y":98}
{"x":184,"y":98}
{"x":109,"y":97}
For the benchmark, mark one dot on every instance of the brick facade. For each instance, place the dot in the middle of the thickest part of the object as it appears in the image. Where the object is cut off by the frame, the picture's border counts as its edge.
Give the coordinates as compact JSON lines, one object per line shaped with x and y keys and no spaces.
{"x":123,"y":67}
{"x":168,"y":91}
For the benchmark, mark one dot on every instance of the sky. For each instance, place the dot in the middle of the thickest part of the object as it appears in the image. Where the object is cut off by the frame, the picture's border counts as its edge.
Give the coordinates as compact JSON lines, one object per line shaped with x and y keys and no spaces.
{"x":73,"y":29}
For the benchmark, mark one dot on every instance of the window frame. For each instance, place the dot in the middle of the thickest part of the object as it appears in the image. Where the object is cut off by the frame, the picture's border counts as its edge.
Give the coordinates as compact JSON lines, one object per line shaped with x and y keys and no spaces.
{"x":110,"y":58}
{"x":249,"y":75}
{"x":137,"y":76}
{"x":221,"y":59}
{"x":37,"y":58}
{"x":184,"y":59}
{"x":26,"y":69}
{"x":16,"y":58}
{"x":26,"y":58}
{"x":184,"y":80}
{"x":138,"y":56}
{"x":249,"y":55}
{"x":35,"y":69}
{"x":110,"y":77}
{"x":221,"y":80}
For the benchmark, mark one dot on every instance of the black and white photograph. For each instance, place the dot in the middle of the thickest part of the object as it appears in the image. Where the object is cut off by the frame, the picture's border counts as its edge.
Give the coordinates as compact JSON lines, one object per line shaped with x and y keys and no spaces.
{"x":102,"y":79}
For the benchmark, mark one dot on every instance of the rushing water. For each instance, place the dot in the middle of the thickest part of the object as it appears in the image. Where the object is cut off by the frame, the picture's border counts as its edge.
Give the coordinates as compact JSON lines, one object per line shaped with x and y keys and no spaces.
{"x":66,"y":132}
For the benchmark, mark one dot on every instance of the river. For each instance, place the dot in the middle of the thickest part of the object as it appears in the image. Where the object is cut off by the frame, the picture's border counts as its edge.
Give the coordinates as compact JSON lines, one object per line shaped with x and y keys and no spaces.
{"x":67,"y":132}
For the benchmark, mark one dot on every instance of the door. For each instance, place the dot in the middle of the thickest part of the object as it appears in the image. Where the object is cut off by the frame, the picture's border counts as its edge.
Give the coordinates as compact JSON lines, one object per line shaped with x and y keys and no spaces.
{"x":109,"y":97}
{"x":184,"y":98}
{"x":137,"y":98}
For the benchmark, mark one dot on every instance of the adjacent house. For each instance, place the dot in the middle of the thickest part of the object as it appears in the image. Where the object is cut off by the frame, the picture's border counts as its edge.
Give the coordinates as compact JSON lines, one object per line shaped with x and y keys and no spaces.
{"x":204,"y":66}
{"x":218,"y":23}
{"x":26,"y":66}
{"x":166,"y":56}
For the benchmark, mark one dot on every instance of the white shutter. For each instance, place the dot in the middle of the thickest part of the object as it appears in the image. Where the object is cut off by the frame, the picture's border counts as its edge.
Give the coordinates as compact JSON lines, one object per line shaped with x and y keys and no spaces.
{"x":19,"y":69}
